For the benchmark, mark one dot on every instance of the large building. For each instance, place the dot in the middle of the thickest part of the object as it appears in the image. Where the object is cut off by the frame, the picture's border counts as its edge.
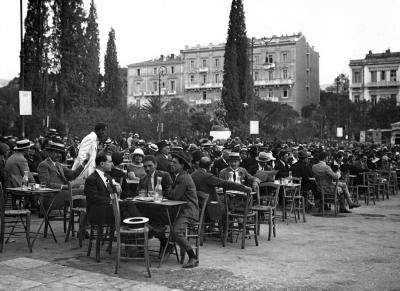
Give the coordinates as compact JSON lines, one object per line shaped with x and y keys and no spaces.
{"x":375,"y":77}
{"x":285,"y":69}
{"x":162,"y":76}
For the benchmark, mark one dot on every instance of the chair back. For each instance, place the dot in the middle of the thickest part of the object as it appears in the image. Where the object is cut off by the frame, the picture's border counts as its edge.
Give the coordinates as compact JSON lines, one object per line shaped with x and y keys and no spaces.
{"x":203,"y":200}
{"x":329,"y":193}
{"x":77,"y":198}
{"x":116,"y":211}
{"x":371,"y":178}
{"x":266,"y":176}
{"x":2,"y":203}
{"x":271,"y":199}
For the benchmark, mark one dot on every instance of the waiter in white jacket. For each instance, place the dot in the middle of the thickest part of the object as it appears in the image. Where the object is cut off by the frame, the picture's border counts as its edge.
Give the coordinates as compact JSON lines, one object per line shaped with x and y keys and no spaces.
{"x":88,"y":150}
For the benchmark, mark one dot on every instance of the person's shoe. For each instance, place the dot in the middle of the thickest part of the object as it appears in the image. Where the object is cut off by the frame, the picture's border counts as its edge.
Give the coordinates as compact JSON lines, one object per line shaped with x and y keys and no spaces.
{"x":191,"y":263}
{"x":344,"y":211}
{"x":354,"y":206}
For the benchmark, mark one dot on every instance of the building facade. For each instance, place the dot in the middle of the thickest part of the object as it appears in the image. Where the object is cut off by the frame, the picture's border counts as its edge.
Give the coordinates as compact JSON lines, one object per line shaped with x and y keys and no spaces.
{"x":285,"y":69}
{"x":375,"y":77}
{"x":162,"y":76}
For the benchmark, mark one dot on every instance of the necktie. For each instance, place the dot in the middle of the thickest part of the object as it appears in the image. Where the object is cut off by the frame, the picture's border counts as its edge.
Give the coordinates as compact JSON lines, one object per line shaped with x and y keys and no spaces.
{"x":149,"y":184}
{"x":234,"y":176}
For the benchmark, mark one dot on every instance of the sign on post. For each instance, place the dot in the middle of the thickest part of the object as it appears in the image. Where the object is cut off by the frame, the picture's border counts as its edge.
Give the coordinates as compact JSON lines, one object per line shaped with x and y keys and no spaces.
{"x":254,"y":127}
{"x":25,"y":103}
{"x":339,"y":132}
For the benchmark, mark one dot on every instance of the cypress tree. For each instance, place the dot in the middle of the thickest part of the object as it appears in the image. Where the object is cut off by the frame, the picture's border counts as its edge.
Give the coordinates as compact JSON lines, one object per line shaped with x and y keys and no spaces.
{"x":91,"y":60}
{"x":35,"y":49}
{"x":112,"y":80}
{"x":237,"y":84}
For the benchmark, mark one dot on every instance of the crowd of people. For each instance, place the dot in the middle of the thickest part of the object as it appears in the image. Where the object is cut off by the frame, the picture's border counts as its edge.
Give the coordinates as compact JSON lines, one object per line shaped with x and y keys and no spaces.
{"x":184,"y":168}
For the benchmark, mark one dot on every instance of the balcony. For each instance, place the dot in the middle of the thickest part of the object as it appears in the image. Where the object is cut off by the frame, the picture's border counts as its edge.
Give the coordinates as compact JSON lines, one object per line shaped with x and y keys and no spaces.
{"x":203,"y":86}
{"x":272,"y":99}
{"x":383,"y":84}
{"x":171,"y":92}
{"x":268,"y":66}
{"x":356,"y":85}
{"x":203,"y":70}
{"x":276,"y":82}
{"x":203,"y":102}
{"x":137,"y":94}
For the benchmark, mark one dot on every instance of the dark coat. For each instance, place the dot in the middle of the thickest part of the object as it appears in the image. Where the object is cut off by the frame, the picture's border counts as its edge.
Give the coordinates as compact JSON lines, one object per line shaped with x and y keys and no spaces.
{"x":54,"y":175}
{"x":166,"y":182}
{"x":219,"y":165}
{"x":303,"y":171}
{"x":283,"y":169}
{"x":163,"y":164}
{"x":250,"y":164}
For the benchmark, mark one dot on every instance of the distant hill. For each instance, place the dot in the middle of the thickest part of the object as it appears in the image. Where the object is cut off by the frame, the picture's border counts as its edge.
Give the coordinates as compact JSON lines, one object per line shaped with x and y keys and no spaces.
{"x":324,"y":86}
{"x":4,"y":82}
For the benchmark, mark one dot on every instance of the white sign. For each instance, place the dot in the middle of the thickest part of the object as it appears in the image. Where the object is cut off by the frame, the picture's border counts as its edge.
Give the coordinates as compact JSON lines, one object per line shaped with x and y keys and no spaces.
{"x":222,"y":135}
{"x":362,"y":136}
{"x":254,"y":127}
{"x":25,"y":103}
{"x":339,"y":132}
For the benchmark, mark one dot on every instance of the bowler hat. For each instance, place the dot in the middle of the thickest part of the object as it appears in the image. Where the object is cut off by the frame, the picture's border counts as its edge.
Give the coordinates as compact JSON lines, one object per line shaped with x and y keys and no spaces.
{"x":183,"y":157}
{"x":162,"y":144}
{"x":303,"y":155}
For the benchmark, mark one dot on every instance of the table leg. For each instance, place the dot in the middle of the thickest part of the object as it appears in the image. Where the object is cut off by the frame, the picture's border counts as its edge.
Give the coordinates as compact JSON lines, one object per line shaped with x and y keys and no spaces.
{"x":45,"y":220}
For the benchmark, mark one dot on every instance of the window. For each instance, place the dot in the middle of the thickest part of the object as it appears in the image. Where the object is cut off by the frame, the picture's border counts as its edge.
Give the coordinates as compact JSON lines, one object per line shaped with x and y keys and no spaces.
{"x":356,"y":77}
{"x":216,"y":78}
{"x":393,"y":75}
{"x":373,"y":99}
{"x":217,"y":63}
{"x":270,"y":59}
{"x":204,"y":63}
{"x":270,"y":93}
{"x":155,"y":71}
{"x":356,"y":98}
{"x":373,"y":76}
{"x":163,"y":85}
{"x":172,"y":70}
{"x":383,"y":75}
{"x":137,"y":87}
{"x":204,"y":78}
{"x":255,"y":76}
{"x":284,"y":57}
{"x":204,"y":95}
{"x":138,"y":72}
{"x":270,"y":75}
{"x":285,"y":74}
{"x":285,"y":93}
{"x":155,"y":86}
{"x":192,"y":64}
{"x":257,"y":60}
{"x":191,"y":79}
{"x":172,"y":85}
{"x":138,"y":102}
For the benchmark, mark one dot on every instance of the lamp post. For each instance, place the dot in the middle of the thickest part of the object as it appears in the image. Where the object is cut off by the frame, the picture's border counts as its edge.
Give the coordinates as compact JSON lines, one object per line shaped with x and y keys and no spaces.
{"x":21,"y":58}
{"x":162,"y":70}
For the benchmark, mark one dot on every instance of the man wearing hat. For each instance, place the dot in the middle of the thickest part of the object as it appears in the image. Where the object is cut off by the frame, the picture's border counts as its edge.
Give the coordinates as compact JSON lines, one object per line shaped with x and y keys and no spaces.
{"x":4,"y":152}
{"x":240,"y":175}
{"x":282,"y":165}
{"x":74,"y":148}
{"x":88,"y":150}
{"x":265,"y":161}
{"x":221,"y":163}
{"x":162,"y":156}
{"x":250,"y":163}
{"x":17,"y":165}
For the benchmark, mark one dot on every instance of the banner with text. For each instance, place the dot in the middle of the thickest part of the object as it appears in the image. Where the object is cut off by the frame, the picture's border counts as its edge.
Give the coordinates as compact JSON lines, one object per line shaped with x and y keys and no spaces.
{"x":25,"y":103}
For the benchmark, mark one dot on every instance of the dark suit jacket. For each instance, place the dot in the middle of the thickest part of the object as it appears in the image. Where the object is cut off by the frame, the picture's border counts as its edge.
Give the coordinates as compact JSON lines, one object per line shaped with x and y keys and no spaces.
{"x":302,"y":170}
{"x":96,"y":192}
{"x":283,"y":170}
{"x":163,"y":164}
{"x":184,"y":189}
{"x":166,"y":182}
{"x":249,"y":180}
{"x":14,"y":170}
{"x":206,"y":182}
{"x":219,"y":165}
{"x":54,"y":175}
{"x":251,"y":165}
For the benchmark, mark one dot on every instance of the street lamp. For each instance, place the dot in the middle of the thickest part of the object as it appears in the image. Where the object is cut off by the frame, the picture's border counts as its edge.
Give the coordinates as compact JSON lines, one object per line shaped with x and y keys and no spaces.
{"x":162,"y":70}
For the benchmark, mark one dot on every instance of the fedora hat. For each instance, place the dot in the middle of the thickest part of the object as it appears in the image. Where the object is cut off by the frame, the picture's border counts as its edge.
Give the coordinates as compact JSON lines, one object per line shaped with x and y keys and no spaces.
{"x":303,"y":154}
{"x":55,"y":146}
{"x":234,"y":156}
{"x":265,"y":157}
{"x":183,"y":157}
{"x":23,"y":144}
{"x":162,"y":144}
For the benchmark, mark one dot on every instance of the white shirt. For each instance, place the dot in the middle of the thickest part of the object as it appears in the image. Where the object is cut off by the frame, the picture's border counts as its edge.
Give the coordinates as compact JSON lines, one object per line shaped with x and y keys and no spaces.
{"x":102,"y":176}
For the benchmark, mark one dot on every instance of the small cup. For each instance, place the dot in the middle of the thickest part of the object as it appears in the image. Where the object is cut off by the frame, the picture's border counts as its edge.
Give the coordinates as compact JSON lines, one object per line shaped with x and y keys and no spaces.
{"x":43,"y":185}
{"x":142,"y":193}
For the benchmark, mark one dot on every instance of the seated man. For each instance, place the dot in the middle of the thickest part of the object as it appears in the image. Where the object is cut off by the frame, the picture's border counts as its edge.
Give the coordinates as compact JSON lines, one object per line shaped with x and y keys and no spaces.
{"x":325,"y":176}
{"x":98,"y":187}
{"x":54,"y":175}
{"x":206,"y":182}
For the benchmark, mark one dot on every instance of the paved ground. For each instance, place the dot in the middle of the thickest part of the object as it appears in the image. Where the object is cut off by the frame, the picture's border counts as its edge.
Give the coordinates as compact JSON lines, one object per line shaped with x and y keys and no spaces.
{"x":358,"y":251}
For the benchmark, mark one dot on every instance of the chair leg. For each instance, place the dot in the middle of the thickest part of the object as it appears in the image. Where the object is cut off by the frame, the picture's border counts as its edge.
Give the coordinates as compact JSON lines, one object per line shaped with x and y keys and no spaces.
{"x":111,"y":238}
{"x":146,"y":253}
{"x":81,"y":229}
{"x":118,"y":254}
{"x":255,"y":230}
{"x":65,"y":217}
{"x":98,"y":240}
{"x":2,"y":231}
{"x":270,"y":225}
{"x":28,"y":231}
{"x":244,"y":232}
{"x":221,"y":232}
{"x":226,"y":231}
{"x":303,"y":202}
{"x":70,"y":224}
{"x":90,"y":240}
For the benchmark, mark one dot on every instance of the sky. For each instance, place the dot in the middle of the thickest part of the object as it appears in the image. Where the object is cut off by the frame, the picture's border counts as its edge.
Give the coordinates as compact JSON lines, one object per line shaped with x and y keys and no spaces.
{"x":339,"y":30}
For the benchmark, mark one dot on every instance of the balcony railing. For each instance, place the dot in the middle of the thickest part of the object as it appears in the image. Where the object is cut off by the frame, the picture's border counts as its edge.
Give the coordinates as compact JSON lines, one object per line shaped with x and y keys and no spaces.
{"x":275,"y":82}
{"x":203,"y":86}
{"x":383,"y":84}
{"x":268,"y":66}
{"x":172,"y":92}
{"x":203,"y":70}
{"x":203,"y":102}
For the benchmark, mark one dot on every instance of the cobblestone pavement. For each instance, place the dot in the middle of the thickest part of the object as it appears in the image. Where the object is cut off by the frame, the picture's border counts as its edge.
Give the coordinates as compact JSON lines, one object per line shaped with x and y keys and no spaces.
{"x":358,"y":251}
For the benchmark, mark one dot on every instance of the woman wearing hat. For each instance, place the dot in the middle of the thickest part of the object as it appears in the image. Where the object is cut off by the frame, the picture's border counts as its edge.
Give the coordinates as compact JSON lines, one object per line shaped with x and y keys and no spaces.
{"x":136,"y":169}
{"x":17,"y":165}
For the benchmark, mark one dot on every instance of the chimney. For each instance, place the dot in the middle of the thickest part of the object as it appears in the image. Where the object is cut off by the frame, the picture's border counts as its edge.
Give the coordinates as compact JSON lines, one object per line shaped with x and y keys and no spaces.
{"x":161,"y":57}
{"x":172,"y":56}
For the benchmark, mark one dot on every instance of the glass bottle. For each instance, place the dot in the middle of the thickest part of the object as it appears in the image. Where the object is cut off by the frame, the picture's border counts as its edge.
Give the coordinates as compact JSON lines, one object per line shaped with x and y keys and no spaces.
{"x":25,"y":180}
{"x":158,"y":195}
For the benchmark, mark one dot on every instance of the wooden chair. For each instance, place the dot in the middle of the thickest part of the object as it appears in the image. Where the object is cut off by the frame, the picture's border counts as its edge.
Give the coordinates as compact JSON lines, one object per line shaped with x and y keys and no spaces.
{"x":77,"y":204}
{"x":17,"y":216}
{"x":129,"y":237}
{"x":194,"y":230}
{"x":240,"y":219}
{"x":266,"y":207}
{"x":330,"y":196}
{"x":349,"y":180}
{"x":297,"y":201}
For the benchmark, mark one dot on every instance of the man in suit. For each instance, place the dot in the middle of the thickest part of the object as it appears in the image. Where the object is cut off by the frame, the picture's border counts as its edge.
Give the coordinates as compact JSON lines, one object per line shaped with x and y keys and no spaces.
{"x":221,"y":163}
{"x":250,"y":163}
{"x":88,"y":150}
{"x":98,"y":187}
{"x":282,"y":165}
{"x":162,"y":156}
{"x":17,"y":165}
{"x":54,"y":175}
{"x":326,"y":177}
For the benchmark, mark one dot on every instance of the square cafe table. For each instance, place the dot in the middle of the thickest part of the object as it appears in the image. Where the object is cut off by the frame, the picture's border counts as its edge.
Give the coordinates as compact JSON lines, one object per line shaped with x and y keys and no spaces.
{"x":167,"y":205}
{"x":42,"y":193}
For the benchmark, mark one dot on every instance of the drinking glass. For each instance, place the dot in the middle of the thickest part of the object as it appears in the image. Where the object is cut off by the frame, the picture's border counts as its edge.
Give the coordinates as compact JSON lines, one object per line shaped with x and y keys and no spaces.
{"x":142,"y":193}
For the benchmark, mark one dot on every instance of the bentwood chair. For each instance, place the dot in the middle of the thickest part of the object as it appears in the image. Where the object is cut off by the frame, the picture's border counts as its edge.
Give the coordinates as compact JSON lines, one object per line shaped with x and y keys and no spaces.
{"x":77,"y":204}
{"x":135,"y":238}
{"x":330,"y":196}
{"x":240,"y":218}
{"x":266,"y":208}
{"x":10,"y":219}
{"x":194,"y":230}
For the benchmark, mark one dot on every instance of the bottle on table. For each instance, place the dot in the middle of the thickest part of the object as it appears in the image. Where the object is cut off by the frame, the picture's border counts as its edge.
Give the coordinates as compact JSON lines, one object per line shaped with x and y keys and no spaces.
{"x":25,"y":180}
{"x":230,"y":178}
{"x":158,"y":194}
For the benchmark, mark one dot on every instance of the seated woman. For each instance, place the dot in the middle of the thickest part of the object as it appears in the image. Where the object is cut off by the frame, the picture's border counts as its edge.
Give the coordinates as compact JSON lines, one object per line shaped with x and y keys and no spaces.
{"x":136,"y":169}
